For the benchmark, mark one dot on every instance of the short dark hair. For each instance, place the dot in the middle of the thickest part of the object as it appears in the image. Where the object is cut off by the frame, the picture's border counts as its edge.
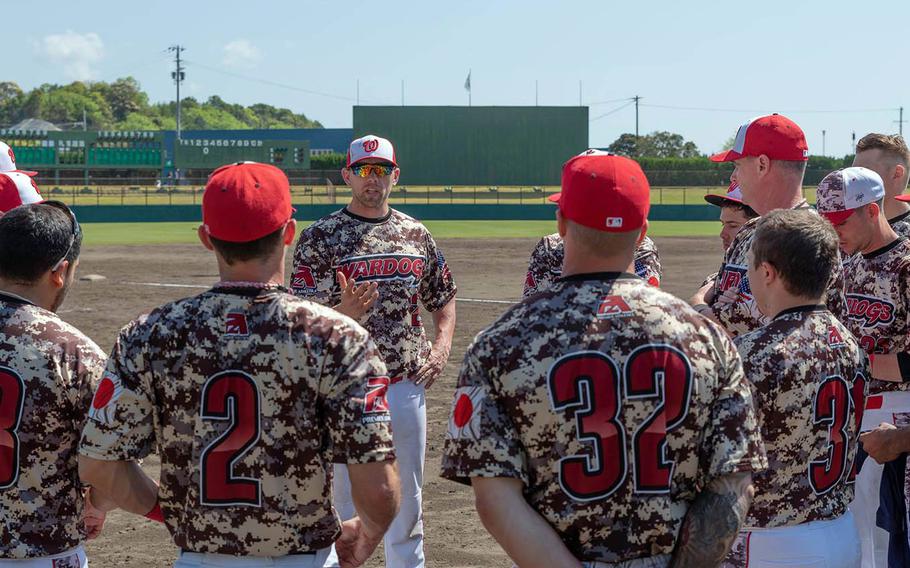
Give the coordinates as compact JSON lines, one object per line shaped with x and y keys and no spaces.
{"x":745,"y":209}
{"x":787,"y":239}
{"x":34,"y":238}
{"x":241,"y":252}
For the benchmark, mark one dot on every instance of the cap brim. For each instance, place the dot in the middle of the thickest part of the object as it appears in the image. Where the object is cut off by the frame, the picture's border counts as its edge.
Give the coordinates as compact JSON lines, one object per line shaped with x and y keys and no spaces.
{"x":904,"y":197}
{"x":837,"y":217}
{"x":721,"y":200}
{"x":727,"y":156}
{"x":555,"y":197}
{"x":373,"y":157}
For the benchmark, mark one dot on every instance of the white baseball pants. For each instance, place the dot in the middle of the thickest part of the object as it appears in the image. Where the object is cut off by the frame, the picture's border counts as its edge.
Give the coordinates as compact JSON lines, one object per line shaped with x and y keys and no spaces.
{"x":819,"y":544}
{"x":197,"y":559}
{"x":73,"y":558}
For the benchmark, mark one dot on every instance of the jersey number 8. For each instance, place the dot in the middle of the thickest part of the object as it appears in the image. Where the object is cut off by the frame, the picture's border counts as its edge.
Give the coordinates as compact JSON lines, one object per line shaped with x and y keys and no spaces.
{"x":12,"y":398}
{"x":588,"y":384}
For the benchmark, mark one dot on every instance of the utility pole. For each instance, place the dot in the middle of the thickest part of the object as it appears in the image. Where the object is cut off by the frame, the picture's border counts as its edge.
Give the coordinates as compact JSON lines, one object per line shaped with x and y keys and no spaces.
{"x":900,"y":122}
{"x":823,"y":144}
{"x":853,"y":141}
{"x":178,"y":75}
{"x":636,"y":98}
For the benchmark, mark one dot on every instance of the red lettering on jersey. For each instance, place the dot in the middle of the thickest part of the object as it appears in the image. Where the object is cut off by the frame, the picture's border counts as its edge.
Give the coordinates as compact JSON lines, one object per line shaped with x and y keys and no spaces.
{"x":236,"y":324}
{"x":869,"y":310}
{"x":360,"y":269}
{"x":375,"y":267}
{"x":613,"y":307}
{"x":404,"y":265}
{"x":730,"y":279}
{"x":389,"y":266}
{"x":382,"y":267}
{"x":417,"y":267}
{"x":834,"y":337}
{"x":303,"y":280}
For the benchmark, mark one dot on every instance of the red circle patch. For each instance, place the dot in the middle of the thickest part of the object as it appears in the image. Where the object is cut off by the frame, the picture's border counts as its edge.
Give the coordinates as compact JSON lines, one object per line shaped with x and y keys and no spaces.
{"x":104,"y":394}
{"x":464,"y":408}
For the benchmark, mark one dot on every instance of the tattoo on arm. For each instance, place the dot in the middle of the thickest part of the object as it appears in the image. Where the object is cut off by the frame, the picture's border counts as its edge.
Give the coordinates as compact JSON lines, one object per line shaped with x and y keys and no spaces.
{"x":713,"y":520}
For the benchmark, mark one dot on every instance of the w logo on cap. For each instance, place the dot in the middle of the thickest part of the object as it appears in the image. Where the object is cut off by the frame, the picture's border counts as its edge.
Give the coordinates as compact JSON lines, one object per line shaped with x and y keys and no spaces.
{"x":370,"y":145}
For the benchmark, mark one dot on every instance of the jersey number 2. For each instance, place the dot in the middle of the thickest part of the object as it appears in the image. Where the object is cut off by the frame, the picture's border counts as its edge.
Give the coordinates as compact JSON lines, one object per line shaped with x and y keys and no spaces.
{"x":12,"y":398}
{"x":589,"y":384}
{"x":232,"y":396}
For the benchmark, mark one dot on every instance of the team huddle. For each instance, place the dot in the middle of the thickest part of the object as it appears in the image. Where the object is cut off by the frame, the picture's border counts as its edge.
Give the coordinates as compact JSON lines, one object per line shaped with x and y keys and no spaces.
{"x":600,"y":421}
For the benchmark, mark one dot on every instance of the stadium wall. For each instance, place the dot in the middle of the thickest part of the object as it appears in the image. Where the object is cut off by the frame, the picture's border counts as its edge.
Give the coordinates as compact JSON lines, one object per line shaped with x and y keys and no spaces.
{"x":441,"y":145}
{"x":437,"y":212}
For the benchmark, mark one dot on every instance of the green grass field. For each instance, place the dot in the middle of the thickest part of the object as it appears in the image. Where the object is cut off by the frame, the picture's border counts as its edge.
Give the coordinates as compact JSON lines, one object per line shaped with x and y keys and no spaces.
{"x":98,"y":234}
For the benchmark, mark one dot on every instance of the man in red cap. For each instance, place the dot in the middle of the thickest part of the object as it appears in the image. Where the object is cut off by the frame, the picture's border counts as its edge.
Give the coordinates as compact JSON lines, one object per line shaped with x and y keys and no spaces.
{"x":375,"y":245}
{"x":603,"y":421}
{"x":17,"y":188}
{"x":250,"y":394}
{"x":769,"y":155}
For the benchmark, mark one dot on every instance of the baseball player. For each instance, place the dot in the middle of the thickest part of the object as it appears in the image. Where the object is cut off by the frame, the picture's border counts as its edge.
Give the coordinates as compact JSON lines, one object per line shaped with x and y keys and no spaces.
{"x":889,"y":157}
{"x":545,"y":265}
{"x":369,"y":242}
{"x":602,"y":422}
{"x":769,"y":157}
{"x":877,"y":288}
{"x":48,"y":371}
{"x":249,"y":393}
{"x":809,"y":378}
{"x":734,"y":214}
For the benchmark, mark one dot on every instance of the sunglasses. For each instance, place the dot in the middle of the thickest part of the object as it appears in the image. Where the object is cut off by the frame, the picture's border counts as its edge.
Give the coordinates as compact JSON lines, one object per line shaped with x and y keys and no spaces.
{"x":364,"y":170}
{"x":77,"y":230}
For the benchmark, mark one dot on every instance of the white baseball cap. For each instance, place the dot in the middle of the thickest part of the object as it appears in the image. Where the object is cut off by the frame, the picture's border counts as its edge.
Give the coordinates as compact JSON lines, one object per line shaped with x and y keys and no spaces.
{"x":8,"y":160}
{"x":17,"y":189}
{"x":371,"y":146}
{"x":842,"y":191}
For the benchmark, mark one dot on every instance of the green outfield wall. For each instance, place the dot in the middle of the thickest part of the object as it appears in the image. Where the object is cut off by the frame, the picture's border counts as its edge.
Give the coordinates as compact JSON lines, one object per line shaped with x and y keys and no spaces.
{"x":439,"y":145}
{"x":434,"y":212}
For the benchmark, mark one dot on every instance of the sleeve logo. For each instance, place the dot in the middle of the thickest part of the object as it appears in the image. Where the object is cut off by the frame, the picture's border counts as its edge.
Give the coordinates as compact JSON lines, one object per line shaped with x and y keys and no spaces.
{"x":464,"y":421}
{"x":236,"y":326}
{"x":375,"y":403}
{"x":835,"y":339}
{"x":734,"y":276}
{"x":104,"y":403}
{"x":303,"y":280}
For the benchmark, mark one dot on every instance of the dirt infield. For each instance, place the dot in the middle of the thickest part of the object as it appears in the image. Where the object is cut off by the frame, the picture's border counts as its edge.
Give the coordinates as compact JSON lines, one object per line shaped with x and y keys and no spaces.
{"x":483,"y":270}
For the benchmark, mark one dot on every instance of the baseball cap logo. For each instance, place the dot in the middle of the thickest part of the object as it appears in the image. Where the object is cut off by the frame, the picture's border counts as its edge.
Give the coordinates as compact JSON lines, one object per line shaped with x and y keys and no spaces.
{"x":370,"y":145}
{"x":614,"y":222}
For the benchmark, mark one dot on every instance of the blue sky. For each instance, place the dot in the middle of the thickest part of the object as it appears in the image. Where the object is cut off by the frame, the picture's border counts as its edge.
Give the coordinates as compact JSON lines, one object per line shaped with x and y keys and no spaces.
{"x":751,"y":58}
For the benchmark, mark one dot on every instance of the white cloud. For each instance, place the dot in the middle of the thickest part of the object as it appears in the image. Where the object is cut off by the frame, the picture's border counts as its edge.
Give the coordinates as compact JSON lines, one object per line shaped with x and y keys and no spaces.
{"x":241,"y":53}
{"x":77,"y":53}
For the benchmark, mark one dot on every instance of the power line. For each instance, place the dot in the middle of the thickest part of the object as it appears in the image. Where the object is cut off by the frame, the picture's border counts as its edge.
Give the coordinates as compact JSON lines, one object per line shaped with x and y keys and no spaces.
{"x":794,"y":111}
{"x":611,"y":101}
{"x":615,"y":110}
{"x":275,"y":83}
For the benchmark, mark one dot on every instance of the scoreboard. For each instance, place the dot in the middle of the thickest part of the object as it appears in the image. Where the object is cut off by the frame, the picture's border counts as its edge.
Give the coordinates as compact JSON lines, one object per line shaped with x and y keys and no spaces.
{"x":210,"y":153}
{"x":85,"y":149}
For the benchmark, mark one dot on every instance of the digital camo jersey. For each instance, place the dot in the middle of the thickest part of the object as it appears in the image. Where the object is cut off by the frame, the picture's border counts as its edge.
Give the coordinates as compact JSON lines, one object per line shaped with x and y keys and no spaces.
{"x":250,"y":394}
{"x":743,"y":315}
{"x":545,"y":265}
{"x":877,"y":289}
{"x":809,"y":378}
{"x":48,"y":372}
{"x":395,"y":251}
{"x":613,"y":402}
{"x":901,"y":224}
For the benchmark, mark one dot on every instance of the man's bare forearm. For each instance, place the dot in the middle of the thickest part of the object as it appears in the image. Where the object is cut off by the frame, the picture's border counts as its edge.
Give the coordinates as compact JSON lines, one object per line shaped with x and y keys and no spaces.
{"x":444,"y":320}
{"x":713,"y":520}
{"x":120,"y":482}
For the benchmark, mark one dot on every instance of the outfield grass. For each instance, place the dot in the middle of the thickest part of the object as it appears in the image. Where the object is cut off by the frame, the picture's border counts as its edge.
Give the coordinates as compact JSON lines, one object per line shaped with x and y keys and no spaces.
{"x":181,"y":233}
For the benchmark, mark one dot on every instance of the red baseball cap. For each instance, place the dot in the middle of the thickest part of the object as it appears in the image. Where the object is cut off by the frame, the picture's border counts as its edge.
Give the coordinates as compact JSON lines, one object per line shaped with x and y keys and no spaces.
{"x":246,"y":201}
{"x":734,"y":196}
{"x":605,"y":192}
{"x":17,"y":188}
{"x":775,"y":136}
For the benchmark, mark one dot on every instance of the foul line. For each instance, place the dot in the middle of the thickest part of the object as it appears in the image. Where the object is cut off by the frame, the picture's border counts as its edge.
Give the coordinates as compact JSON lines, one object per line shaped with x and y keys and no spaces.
{"x":204,"y":287}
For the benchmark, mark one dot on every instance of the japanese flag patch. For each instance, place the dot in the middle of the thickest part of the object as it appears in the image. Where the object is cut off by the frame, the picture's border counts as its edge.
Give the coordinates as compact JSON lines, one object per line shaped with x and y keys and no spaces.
{"x":104,"y":403}
{"x":464,"y":421}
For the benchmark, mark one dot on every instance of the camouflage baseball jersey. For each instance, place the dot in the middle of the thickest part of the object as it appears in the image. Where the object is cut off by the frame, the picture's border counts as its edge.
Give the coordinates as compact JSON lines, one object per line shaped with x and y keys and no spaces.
{"x":901,"y":224}
{"x":395,"y":251}
{"x":743,"y":316}
{"x":877,"y":288}
{"x":613,"y":402}
{"x":809,"y":379}
{"x":48,"y":371}
{"x":545,"y":265}
{"x":250,"y":394}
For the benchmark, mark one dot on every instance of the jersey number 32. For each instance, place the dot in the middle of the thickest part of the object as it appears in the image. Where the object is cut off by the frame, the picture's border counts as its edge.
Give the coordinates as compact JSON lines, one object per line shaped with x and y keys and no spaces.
{"x":589,"y":385}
